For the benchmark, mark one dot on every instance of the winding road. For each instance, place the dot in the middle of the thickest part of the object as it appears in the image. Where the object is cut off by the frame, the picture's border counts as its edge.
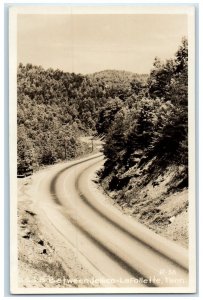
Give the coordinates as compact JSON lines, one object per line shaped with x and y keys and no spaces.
{"x":119,"y":251}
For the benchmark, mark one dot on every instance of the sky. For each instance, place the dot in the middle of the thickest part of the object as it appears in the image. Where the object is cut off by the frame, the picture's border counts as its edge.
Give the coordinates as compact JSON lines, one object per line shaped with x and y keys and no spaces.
{"x":91,"y":43}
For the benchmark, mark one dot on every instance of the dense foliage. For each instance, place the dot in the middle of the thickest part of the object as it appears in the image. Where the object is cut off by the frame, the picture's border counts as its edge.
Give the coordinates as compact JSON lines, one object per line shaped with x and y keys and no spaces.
{"x":55,"y":108}
{"x":150,"y":124}
{"x":140,"y":117}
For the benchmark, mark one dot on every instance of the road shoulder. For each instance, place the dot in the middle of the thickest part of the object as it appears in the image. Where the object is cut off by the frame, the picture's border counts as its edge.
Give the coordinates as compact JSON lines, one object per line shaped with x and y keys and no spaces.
{"x":44,"y":261}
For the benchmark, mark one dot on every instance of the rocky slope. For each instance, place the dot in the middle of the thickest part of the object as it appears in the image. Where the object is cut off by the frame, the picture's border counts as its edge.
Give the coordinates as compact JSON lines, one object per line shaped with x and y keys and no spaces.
{"x":156,"y":199}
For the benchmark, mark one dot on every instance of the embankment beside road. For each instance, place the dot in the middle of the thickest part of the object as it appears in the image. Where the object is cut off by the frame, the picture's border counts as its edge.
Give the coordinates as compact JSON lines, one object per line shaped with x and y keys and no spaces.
{"x":155,"y":199}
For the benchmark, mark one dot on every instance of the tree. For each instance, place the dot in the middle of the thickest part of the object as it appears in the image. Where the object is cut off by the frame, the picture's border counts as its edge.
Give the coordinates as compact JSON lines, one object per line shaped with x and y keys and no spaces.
{"x":107,"y":114}
{"x":169,"y":80}
{"x":25,"y":153}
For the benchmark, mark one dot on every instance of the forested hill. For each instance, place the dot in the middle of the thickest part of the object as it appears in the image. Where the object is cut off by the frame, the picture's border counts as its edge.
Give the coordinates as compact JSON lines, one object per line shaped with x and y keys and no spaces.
{"x":120,"y":84}
{"x":119,"y":78}
{"x":146,"y":145}
{"x":56,"y":107}
{"x":139,"y":115}
{"x":151,"y":122}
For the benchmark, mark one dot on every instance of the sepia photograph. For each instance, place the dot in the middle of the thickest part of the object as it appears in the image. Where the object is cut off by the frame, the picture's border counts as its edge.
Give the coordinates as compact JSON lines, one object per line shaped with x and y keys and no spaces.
{"x":102,"y":149}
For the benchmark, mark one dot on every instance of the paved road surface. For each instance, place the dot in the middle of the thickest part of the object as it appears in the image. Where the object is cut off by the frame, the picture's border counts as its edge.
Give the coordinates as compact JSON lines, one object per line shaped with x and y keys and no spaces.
{"x":117,"y":250}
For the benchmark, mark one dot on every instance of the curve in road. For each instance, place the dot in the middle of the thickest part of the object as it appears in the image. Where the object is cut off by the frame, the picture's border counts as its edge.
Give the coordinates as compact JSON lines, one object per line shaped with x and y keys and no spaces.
{"x":112,"y":241}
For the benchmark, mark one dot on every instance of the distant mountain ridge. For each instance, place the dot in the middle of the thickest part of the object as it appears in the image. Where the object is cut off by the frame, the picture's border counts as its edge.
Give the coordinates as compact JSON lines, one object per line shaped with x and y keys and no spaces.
{"x":119,"y":75}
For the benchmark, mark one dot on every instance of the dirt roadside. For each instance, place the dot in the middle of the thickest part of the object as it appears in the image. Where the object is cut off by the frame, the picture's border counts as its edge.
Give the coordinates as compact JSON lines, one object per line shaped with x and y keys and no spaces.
{"x":44,"y":260}
{"x":41,"y":256}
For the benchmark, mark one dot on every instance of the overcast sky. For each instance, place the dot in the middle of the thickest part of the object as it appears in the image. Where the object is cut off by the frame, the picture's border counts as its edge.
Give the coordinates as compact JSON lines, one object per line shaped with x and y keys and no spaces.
{"x":90,"y":43}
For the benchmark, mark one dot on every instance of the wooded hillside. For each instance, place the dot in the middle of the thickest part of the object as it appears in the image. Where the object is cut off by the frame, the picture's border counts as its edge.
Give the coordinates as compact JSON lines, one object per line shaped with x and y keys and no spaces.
{"x":150,"y":124}
{"x":55,"y":108}
{"x":146,"y":149}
